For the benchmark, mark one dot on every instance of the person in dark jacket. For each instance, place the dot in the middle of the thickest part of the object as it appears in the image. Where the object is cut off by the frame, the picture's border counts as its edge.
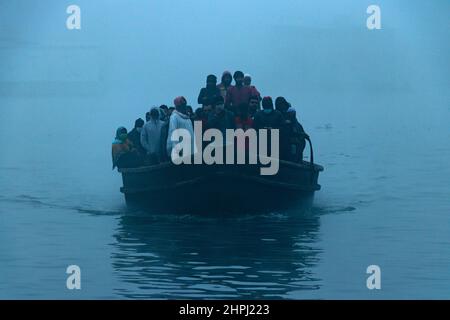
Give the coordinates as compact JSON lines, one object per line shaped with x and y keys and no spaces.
{"x":253,"y":106}
{"x":135,"y":136}
{"x":268,"y":117}
{"x":220,"y":118}
{"x":282,"y":105}
{"x":296,"y":135}
{"x":164,"y":113}
{"x":209,"y":94}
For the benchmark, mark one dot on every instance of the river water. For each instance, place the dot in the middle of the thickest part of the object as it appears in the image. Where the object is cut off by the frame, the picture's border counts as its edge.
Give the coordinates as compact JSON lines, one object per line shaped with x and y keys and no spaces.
{"x":385,"y":197}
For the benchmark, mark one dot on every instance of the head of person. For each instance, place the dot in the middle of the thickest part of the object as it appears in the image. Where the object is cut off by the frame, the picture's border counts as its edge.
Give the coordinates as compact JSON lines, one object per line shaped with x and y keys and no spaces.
{"x":238,"y":78}
{"x":138,"y":124}
{"x":219,"y":104}
{"x":154,"y":114}
{"x":180,"y":104}
{"x":267,"y":104}
{"x":206,"y":110}
{"x":147,"y":116}
{"x":189,"y":111}
{"x":247,"y":79}
{"x":164,"y":108}
{"x":211,"y":81}
{"x":281,"y":104}
{"x":242,"y":110}
{"x":253,"y":105}
{"x":226,"y":78}
{"x":121,"y":134}
{"x":291,"y":113}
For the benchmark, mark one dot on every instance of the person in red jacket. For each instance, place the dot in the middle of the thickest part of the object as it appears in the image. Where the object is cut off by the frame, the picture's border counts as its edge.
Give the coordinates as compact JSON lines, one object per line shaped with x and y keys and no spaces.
{"x":243,"y":121}
{"x":238,"y":93}
{"x":248,"y":83}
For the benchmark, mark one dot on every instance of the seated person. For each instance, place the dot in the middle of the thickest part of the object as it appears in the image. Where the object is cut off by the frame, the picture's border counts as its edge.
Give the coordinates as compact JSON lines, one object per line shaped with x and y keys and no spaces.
{"x":124,"y":155}
{"x":268,"y":118}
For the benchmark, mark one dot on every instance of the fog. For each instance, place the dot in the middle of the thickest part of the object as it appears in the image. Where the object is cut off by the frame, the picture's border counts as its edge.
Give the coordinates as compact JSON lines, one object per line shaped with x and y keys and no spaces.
{"x":376,"y":103}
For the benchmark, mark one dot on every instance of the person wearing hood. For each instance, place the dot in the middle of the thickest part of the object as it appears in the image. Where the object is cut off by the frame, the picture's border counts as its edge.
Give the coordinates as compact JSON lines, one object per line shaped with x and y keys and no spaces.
{"x":152,"y":137}
{"x":282,"y":105}
{"x":227,"y":78}
{"x":296,"y":136}
{"x":123,"y":153}
{"x":210,"y":93}
{"x":135,"y":135}
{"x":238,"y":93}
{"x":248,"y":83}
{"x":179,"y":119}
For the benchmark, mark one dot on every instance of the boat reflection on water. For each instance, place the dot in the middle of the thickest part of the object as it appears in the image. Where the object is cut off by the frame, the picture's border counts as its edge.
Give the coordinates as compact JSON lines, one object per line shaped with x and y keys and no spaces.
{"x":260,"y":256}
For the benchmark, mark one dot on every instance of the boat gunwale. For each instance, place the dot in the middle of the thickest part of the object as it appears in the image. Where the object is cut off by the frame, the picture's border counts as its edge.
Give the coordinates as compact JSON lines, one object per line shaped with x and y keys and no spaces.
{"x":302,"y":165}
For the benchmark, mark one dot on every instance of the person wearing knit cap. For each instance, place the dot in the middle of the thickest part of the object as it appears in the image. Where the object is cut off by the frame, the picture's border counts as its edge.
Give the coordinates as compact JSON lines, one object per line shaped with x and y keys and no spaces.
{"x":227,"y":78}
{"x":209,"y":94}
{"x":179,"y":102}
{"x":237,"y":94}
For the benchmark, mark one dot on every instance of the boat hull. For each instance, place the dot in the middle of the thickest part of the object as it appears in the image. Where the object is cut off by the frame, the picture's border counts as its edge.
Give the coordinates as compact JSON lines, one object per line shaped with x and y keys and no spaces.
{"x":218,"y":188}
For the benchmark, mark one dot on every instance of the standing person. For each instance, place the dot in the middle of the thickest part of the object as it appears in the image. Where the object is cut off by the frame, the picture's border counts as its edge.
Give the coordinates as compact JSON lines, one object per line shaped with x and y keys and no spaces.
{"x":248,"y":83}
{"x":135,"y":136}
{"x":296,"y":135}
{"x":210,"y":93}
{"x":180,"y":120}
{"x":238,"y":93}
{"x":282,"y":106}
{"x":152,"y":137}
{"x":225,"y":84}
{"x":164,"y":112}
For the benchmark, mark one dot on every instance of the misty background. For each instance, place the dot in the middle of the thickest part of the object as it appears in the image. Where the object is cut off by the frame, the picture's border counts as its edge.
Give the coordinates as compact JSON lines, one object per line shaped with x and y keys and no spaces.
{"x":376,"y":104}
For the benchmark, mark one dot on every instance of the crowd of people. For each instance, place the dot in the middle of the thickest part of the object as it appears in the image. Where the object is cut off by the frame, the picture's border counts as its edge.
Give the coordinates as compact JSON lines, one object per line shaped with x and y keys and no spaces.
{"x":222,"y":106}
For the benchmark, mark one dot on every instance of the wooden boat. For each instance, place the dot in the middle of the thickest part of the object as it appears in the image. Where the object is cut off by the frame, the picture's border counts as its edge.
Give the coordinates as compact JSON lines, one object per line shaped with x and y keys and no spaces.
{"x":167,"y":187}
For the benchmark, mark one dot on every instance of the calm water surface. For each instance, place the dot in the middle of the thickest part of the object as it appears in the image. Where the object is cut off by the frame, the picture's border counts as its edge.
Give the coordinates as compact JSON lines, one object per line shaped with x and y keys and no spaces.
{"x":376,"y":104}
